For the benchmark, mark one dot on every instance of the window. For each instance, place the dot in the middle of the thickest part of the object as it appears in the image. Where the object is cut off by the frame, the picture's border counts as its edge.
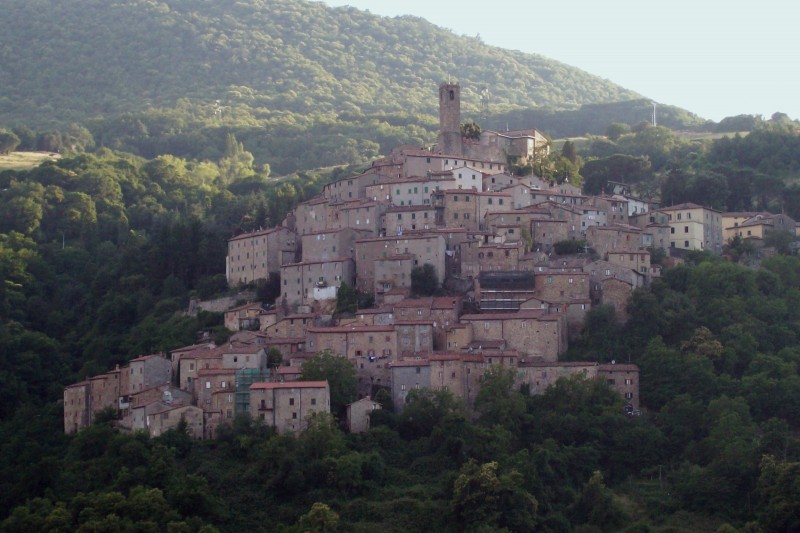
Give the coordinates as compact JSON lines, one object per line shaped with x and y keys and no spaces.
{"x":629,"y":396}
{"x":294,"y":416}
{"x":291,"y":401}
{"x":686,"y":229}
{"x":313,"y":401}
{"x":628,"y":381}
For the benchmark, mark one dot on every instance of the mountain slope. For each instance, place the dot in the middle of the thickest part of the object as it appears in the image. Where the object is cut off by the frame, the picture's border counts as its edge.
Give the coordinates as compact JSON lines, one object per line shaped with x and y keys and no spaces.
{"x":68,"y":60}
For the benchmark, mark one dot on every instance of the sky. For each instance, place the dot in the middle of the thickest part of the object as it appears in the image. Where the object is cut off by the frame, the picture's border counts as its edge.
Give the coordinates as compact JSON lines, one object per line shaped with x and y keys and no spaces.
{"x":715,"y":58}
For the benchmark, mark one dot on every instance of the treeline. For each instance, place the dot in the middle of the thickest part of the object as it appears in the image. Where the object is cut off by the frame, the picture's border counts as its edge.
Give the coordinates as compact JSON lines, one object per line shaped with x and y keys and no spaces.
{"x":757,"y":171}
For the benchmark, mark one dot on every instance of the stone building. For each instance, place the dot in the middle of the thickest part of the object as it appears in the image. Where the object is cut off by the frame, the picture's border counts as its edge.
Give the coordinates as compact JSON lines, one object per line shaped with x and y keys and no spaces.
{"x":288,"y":406}
{"x":358,"y":414}
{"x":694,"y":227}
{"x":253,"y":256}
{"x":426,"y":249}
{"x":530,"y":332}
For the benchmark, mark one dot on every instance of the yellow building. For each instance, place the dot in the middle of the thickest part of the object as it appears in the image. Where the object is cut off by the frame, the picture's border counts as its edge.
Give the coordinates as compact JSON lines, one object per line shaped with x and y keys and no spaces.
{"x":694,"y":227}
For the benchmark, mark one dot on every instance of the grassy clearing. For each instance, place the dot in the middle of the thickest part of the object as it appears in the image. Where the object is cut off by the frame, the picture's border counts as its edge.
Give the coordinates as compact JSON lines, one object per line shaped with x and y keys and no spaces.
{"x":696,"y":135}
{"x":25,"y":160}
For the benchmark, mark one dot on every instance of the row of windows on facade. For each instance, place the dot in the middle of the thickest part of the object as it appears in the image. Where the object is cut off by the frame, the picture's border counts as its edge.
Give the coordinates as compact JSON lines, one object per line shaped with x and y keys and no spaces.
{"x":310,"y":280}
{"x":689,"y":217}
{"x":238,"y":244}
{"x":491,"y":254}
{"x":473,"y":163}
{"x":413,"y":215}
{"x":246,"y":267}
{"x":235,"y":360}
{"x":263,"y":404}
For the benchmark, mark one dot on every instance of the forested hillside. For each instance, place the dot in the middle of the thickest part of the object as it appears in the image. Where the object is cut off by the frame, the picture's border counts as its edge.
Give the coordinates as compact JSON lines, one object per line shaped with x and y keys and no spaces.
{"x":302,"y":85}
{"x":74,"y":59}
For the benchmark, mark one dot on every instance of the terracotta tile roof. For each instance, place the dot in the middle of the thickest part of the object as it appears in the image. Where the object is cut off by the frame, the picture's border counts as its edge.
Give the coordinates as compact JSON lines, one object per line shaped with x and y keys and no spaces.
{"x":146,"y":357}
{"x":619,"y":367}
{"x":394,"y":238}
{"x":686,"y":205}
{"x":445,"y":302}
{"x":248,"y":305}
{"x":349,"y":329}
{"x":414,"y":302}
{"x":521,"y":314}
{"x":257,"y":233}
{"x":317,"y":262}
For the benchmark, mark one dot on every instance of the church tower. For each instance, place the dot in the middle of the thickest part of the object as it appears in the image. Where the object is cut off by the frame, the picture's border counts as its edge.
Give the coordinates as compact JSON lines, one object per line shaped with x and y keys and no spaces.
{"x":450,"y":119}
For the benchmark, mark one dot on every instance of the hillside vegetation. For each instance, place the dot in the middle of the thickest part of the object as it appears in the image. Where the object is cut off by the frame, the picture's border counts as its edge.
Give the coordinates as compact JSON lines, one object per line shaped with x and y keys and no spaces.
{"x":73,"y":59}
{"x":301,"y":85}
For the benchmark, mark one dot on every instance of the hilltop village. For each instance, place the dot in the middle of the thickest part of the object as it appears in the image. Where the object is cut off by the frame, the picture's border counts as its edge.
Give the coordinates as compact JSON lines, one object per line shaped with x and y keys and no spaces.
{"x":520,"y":260}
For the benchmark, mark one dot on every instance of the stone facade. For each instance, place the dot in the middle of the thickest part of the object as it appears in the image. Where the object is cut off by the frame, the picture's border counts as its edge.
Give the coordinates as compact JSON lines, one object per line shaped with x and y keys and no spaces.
{"x":694,"y":227}
{"x":426,"y":249}
{"x":358,"y":414}
{"x":253,"y":256}
{"x":288,"y":406}
{"x":310,"y":281}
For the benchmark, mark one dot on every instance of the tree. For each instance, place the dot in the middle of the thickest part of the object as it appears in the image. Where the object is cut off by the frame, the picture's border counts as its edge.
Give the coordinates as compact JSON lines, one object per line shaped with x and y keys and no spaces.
{"x":346,"y":299}
{"x":8,"y":142}
{"x":471,"y":130}
{"x":484,"y":501}
{"x":780,"y":240}
{"x":497,"y":400}
{"x":425,"y":409}
{"x":320,"y":519}
{"x":340,"y":374}
{"x":274,"y":357}
{"x":568,"y":151}
{"x":423,"y":280}
{"x":623,"y":168}
{"x":596,"y":506}
{"x":616,"y":130}
{"x":779,"y":494}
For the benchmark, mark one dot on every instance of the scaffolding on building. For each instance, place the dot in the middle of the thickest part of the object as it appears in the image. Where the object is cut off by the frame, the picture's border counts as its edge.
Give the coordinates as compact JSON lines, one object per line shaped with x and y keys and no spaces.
{"x":244,"y":378}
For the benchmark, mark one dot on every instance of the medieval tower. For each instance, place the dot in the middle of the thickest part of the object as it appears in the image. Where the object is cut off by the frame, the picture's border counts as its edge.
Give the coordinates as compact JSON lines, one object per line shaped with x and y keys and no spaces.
{"x":450,"y":119}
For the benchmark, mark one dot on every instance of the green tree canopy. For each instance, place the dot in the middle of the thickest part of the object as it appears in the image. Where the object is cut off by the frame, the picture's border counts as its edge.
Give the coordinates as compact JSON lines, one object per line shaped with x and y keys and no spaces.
{"x":340,"y":374}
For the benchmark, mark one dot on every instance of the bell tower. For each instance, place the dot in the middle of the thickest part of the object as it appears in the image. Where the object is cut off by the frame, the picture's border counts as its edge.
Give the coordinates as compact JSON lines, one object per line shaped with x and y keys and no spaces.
{"x":450,"y":119}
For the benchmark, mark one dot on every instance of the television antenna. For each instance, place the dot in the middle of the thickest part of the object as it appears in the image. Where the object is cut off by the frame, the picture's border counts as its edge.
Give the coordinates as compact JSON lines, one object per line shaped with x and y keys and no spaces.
{"x":485,"y":94}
